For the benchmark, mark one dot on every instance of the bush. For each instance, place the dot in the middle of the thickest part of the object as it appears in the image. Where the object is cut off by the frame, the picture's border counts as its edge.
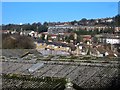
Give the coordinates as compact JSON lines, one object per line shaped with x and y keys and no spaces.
{"x":17,"y":42}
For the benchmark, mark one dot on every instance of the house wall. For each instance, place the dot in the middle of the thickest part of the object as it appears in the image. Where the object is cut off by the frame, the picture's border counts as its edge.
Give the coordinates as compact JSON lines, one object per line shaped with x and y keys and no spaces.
{"x":113,"y":41}
{"x":56,"y":48}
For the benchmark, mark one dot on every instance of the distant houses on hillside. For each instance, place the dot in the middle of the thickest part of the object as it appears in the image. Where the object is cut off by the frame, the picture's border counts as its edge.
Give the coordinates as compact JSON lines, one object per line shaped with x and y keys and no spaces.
{"x":64,"y":37}
{"x":97,"y":50}
{"x":109,"y":38}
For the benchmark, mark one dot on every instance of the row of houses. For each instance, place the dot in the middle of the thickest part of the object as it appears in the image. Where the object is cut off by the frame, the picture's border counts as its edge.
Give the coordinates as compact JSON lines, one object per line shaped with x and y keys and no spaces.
{"x":109,"y":38}
{"x":83,"y":21}
{"x":79,"y":49}
{"x":102,"y":38}
{"x":41,"y":44}
{"x":60,"y":29}
{"x":24,"y":32}
{"x":65,"y":28}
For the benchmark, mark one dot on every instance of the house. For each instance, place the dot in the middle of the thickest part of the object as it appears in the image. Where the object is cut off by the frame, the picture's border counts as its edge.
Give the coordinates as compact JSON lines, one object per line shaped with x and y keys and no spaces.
{"x":109,"y":39}
{"x":40,"y":44}
{"x":29,"y":33}
{"x":113,"y":40}
{"x":117,"y":29}
{"x":57,"y":29}
{"x":106,"y":52}
{"x":94,"y":52}
{"x":4,"y":31}
{"x":109,"y":20}
{"x":86,"y":38}
{"x":53,"y":36}
{"x":61,"y":28}
{"x":52,"y":49}
{"x":56,"y":46}
{"x":33,"y":34}
{"x":26,"y":33}
{"x":80,"y":49}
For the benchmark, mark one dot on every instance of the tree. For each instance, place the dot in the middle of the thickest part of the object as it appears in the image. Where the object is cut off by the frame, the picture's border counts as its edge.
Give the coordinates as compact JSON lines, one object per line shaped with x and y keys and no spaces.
{"x":73,"y":22}
{"x":43,"y":37}
{"x":91,"y":20}
{"x":8,"y":43}
{"x":95,"y":39}
{"x":117,"y":20}
{"x":83,"y":20}
{"x":42,"y":28}
{"x":88,"y":51}
{"x":17,"y":42}
{"x":67,"y":39}
{"x":48,"y":37}
{"x":79,"y":38}
{"x":71,"y":37}
{"x":45,"y":24}
{"x":58,"y":37}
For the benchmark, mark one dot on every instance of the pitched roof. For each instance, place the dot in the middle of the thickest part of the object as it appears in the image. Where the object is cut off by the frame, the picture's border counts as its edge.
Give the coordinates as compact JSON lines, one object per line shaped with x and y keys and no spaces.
{"x":85,"y":75}
{"x":101,"y":49}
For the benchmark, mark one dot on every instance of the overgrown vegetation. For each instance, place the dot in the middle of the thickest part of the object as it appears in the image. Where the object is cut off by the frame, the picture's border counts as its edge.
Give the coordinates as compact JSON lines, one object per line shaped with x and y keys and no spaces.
{"x":28,"y":82}
{"x":31,"y":78}
{"x":17,"y":42}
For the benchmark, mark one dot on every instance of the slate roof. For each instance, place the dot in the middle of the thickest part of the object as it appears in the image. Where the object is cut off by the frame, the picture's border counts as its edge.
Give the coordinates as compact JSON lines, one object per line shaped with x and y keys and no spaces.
{"x":18,"y":52}
{"x":84,"y":75}
{"x":53,"y":43}
{"x":101,"y":50}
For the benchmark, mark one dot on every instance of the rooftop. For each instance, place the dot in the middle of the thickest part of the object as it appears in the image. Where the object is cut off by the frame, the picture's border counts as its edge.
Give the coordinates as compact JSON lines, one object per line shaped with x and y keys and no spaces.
{"x":85,"y":75}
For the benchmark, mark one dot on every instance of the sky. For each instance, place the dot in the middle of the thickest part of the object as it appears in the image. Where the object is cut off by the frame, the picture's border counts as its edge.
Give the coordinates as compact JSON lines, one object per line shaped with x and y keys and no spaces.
{"x":30,"y":12}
